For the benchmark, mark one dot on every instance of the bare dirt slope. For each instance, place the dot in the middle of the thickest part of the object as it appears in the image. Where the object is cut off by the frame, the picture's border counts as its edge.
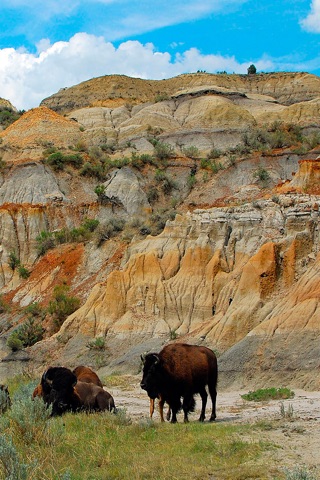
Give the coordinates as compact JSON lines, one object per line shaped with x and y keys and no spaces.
{"x":292,"y":425}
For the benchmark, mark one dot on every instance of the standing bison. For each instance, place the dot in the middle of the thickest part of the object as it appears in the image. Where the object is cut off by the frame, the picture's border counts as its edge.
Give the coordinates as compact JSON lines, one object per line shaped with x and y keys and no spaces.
{"x":181,"y":371}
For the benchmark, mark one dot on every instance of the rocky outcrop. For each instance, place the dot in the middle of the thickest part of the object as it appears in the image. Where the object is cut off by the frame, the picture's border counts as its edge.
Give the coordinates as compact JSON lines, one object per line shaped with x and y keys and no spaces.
{"x":35,"y":131}
{"x":115,"y":90}
{"x":213,"y":277}
{"x":238,"y":267}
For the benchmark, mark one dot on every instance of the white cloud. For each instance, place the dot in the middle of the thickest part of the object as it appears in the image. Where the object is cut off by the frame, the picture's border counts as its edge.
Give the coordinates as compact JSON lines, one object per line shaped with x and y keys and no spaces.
{"x":27,"y":78}
{"x":312,"y":22}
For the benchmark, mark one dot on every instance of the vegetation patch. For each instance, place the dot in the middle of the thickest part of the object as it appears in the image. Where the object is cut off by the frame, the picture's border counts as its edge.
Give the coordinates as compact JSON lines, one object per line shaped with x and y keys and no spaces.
{"x":263,"y":394}
{"x":98,"y":446}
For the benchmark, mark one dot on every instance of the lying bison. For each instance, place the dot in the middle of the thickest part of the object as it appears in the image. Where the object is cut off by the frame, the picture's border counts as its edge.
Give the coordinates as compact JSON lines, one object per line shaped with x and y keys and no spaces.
{"x":181,"y":371}
{"x":60,"y":388}
{"x":87,"y":375}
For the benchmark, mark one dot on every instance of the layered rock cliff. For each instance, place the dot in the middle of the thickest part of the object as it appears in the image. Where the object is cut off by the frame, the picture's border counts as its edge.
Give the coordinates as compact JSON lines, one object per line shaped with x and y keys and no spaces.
{"x":236,"y":266}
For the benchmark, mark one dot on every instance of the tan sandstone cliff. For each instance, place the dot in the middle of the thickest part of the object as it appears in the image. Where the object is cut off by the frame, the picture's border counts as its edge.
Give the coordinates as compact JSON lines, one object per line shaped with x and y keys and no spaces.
{"x":237,"y":269}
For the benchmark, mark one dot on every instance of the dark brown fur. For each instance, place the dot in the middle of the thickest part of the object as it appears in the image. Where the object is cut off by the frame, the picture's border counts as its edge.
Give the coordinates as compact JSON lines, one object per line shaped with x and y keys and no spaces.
{"x":181,"y":371}
{"x":60,"y":387}
{"x":94,"y":398}
{"x":87,"y":375}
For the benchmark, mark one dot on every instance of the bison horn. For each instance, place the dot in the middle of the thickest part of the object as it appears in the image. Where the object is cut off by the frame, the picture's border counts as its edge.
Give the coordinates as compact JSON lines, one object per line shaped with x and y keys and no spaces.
{"x":156,"y":358}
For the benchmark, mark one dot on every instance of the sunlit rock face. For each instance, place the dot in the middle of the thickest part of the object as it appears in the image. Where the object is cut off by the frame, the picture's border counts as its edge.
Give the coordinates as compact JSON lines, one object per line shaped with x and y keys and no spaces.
{"x":236,"y":267}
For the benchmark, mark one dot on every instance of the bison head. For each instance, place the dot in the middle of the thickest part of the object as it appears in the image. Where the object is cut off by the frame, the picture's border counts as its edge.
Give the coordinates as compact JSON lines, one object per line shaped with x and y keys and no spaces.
{"x":151,"y":374}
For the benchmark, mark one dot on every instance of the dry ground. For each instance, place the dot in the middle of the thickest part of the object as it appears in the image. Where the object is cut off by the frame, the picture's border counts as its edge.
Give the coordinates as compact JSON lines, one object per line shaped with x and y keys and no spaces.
{"x":291,"y":425}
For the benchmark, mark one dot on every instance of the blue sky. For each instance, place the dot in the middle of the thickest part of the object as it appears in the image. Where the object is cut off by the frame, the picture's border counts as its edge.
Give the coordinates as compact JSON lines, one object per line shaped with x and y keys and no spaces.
{"x":46,"y":45}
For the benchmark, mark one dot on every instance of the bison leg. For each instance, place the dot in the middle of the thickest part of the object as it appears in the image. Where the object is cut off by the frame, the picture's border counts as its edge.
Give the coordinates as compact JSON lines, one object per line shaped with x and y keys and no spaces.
{"x":168,"y":413}
{"x":161,"y":405}
{"x":213,"y":395}
{"x":204,"y":397}
{"x":151,"y":407}
{"x":175,"y":407}
{"x":188,"y":406}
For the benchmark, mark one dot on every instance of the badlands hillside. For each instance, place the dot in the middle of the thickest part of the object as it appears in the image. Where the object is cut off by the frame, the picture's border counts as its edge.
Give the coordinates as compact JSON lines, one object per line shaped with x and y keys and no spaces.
{"x":137,"y":212}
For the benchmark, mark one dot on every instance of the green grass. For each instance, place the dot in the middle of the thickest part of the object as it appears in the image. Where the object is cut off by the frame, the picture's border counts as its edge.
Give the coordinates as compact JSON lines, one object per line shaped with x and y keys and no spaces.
{"x":263,"y":394}
{"x":104,"y":446}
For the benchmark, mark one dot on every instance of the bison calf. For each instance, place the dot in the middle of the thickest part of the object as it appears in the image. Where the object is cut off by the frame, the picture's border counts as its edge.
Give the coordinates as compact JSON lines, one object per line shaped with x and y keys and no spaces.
{"x":181,"y":371}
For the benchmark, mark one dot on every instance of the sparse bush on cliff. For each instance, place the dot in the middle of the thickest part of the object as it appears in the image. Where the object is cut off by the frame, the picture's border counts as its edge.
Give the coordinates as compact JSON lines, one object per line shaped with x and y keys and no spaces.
{"x":162,"y":150}
{"x":275,"y":135}
{"x":14,"y":263}
{"x":23,"y":272}
{"x":109,"y":229}
{"x":47,"y":240}
{"x":191,"y":152}
{"x":62,"y":304}
{"x":8,"y":116}
{"x":26,"y":334}
{"x":166,"y":182}
{"x":58,"y":161}
{"x":262,"y":175}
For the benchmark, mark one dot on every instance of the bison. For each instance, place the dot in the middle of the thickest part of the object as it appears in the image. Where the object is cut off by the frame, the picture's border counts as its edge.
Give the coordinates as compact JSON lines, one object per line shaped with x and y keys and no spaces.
{"x":61,"y":388}
{"x":181,"y":371}
{"x":87,"y":375}
{"x":57,"y":388}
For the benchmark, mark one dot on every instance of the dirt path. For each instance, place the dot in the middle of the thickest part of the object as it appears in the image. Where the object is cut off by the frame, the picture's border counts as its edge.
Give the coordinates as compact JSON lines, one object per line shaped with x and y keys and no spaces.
{"x":292,"y":425}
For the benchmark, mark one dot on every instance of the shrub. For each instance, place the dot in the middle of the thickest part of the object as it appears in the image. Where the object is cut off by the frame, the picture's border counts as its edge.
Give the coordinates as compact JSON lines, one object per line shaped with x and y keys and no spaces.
{"x":163,"y":150}
{"x":75,"y":160}
{"x":11,"y":465}
{"x":214,"y":153}
{"x":14,"y":261}
{"x":45,"y":241}
{"x":100,"y":192}
{"x":161,"y":97}
{"x":28,"y":417}
{"x":14,"y":342}
{"x":262,"y":175}
{"x":167,"y":183}
{"x":152,"y":195}
{"x":62,"y":304}
{"x":56,"y":161}
{"x":35,"y":310}
{"x":298,"y":473}
{"x":191,"y":181}
{"x":23,"y":272}
{"x":27,"y":334}
{"x":90,"y":224}
{"x":8,"y":116}
{"x":191,"y":152}
{"x":268,"y":394}
{"x":98,"y":343}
